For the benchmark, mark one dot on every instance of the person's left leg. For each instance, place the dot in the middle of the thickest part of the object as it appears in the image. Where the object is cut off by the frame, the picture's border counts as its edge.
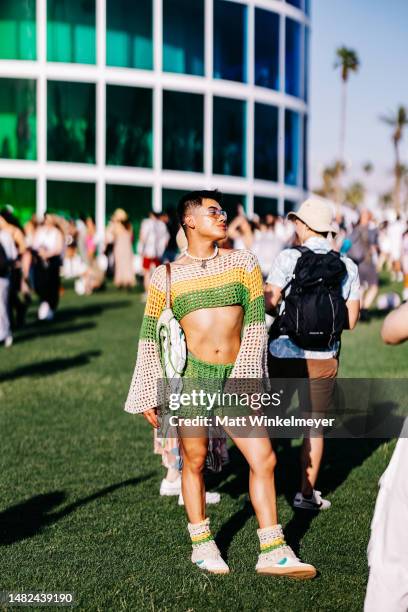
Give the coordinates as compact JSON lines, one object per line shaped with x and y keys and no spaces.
{"x":276,"y":557}
{"x":315,"y":402}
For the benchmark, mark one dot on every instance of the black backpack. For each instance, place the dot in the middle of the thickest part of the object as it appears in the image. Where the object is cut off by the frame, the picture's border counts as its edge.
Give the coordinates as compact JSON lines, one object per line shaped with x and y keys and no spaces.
{"x":315,"y":311}
{"x":5,"y":266}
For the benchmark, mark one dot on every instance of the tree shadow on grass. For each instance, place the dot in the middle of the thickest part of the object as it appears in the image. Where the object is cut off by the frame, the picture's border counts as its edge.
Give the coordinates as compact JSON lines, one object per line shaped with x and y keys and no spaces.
{"x":53,"y":331}
{"x":31,"y":517}
{"x":65,"y":315}
{"x":46,"y":368}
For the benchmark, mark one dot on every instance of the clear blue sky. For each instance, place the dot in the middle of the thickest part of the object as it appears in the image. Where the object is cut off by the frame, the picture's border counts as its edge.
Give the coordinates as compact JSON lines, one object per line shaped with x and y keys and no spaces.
{"x":378,"y":31}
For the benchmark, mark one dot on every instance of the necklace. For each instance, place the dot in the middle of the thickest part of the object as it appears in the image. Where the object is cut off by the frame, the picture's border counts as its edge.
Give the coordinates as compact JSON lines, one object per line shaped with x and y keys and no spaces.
{"x":203,"y":259}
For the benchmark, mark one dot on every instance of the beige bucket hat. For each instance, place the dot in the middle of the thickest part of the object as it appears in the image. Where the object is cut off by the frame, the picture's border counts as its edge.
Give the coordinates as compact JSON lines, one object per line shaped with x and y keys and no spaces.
{"x":317,"y":214}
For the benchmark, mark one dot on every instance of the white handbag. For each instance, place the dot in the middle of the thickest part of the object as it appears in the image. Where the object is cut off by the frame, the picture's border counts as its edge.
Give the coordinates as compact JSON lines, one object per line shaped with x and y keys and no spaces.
{"x":172,"y":341}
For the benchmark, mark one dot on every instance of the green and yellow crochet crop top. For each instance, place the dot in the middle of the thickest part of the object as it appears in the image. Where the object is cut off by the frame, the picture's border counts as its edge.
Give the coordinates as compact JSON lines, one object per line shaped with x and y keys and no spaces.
{"x":231,"y":279}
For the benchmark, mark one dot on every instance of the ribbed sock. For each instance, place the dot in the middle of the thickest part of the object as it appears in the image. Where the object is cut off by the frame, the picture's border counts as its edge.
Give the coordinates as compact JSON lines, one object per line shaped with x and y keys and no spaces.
{"x":271,"y":538}
{"x":200,"y":533}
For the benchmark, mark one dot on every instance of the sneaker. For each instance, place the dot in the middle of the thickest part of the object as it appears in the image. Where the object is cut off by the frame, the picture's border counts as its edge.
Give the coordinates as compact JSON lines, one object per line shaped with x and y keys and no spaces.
{"x":316,"y":502}
{"x":8,"y":341}
{"x":208,"y":558}
{"x":43,"y":311}
{"x":50,"y":315}
{"x":170,"y":488}
{"x":284,"y":562}
{"x":211,"y":497}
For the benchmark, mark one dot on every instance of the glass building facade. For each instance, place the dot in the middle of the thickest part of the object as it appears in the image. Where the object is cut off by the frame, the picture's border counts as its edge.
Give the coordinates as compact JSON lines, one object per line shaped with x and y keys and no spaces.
{"x":124,"y":103}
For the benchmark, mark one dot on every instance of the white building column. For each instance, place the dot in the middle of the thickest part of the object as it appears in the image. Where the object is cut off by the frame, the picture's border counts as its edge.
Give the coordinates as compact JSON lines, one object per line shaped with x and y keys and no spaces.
{"x":41,"y":16}
{"x":100,"y":134}
{"x":157,"y":103}
{"x":250,"y":110}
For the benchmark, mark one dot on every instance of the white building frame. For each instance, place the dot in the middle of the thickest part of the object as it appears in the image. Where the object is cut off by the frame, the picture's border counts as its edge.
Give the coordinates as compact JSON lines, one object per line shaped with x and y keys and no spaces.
{"x":100,"y":174}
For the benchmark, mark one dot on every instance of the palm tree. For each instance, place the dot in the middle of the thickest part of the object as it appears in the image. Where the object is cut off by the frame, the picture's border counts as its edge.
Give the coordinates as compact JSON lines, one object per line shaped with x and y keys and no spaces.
{"x":368,"y":167}
{"x":347,"y":60}
{"x":397,"y":122}
{"x":355,"y":194}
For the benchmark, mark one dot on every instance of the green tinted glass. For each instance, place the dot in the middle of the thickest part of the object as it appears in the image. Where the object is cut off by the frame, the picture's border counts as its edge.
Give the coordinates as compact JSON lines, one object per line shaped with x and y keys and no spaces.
{"x":183,"y":36}
{"x":129,"y":33}
{"x":231,"y":202}
{"x":136,"y":201}
{"x":71,"y":122}
{"x":265,"y":206}
{"x":17,"y":30}
{"x":70,"y":199}
{"x":17,"y":119}
{"x":183,"y":132}
{"x":229,"y":136}
{"x":20,"y":194}
{"x":128,"y":126}
{"x":71,"y":31}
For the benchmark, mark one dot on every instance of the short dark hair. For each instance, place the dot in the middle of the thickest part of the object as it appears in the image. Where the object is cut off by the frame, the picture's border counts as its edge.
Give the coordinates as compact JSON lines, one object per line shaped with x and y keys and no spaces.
{"x":195,"y":198}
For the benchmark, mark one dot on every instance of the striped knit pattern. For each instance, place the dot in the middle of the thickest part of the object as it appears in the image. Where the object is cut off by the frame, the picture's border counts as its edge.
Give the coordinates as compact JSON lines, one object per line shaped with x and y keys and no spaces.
{"x":271,"y":538}
{"x":230,"y":279}
{"x":200,"y":533}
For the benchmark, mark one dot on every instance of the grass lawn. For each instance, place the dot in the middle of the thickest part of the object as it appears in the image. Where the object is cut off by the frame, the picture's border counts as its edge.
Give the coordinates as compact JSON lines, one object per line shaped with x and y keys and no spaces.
{"x":79,"y":503}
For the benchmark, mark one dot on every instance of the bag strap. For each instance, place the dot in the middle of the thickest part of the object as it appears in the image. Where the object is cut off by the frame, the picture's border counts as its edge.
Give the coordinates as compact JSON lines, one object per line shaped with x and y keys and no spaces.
{"x":302,"y":250}
{"x":168,"y":285}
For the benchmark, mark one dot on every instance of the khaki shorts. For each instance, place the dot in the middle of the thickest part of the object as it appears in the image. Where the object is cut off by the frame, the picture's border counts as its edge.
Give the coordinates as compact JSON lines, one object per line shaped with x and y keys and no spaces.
{"x":313,"y":379}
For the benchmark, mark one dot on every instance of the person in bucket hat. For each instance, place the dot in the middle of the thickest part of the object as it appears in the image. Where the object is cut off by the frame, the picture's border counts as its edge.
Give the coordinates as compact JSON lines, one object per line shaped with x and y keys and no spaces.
{"x":308,"y":352}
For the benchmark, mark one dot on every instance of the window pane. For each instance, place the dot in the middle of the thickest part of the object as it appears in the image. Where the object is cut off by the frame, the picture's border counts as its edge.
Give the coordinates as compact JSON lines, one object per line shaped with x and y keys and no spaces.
{"x":230,"y":203}
{"x":289,"y":205}
{"x":305,"y":154}
{"x":17,"y":30}
{"x":171,"y":197}
{"x":296,"y":3}
{"x":128,"y":126}
{"x":129,"y":33}
{"x":71,"y":31}
{"x":307,"y":7}
{"x":18,"y":119}
{"x":266,"y":142}
{"x":229,"y":137}
{"x":70,"y":199}
{"x":230,"y":41}
{"x":136,"y":201}
{"x":21,"y":195}
{"x":183,"y":36}
{"x":71,"y":122}
{"x":292,"y":147}
{"x":293,"y":58}
{"x":266,"y":49}
{"x":183,"y":131}
{"x":306,"y":64}
{"x":265,"y":206}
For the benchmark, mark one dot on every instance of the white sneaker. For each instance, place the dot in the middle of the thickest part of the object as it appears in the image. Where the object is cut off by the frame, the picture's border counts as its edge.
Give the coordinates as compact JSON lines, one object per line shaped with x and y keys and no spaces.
{"x":316,"y":502}
{"x":283,"y":562}
{"x":43,"y":311}
{"x":170,"y":488}
{"x":50,"y":315}
{"x":8,"y":341}
{"x":208,"y":558}
{"x":211,"y":497}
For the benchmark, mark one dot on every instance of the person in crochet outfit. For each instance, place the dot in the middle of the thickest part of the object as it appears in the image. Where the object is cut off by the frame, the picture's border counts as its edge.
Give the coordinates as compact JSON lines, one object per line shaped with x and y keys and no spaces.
{"x":217,"y":297}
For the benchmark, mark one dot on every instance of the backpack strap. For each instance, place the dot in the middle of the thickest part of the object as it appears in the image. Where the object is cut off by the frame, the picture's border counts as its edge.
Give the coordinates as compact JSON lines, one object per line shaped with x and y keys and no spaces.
{"x":302,"y":250}
{"x":168,"y":285}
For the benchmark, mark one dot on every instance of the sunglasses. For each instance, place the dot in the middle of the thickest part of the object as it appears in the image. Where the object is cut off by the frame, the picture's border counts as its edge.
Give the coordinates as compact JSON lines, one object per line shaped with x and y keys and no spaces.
{"x":215,"y":213}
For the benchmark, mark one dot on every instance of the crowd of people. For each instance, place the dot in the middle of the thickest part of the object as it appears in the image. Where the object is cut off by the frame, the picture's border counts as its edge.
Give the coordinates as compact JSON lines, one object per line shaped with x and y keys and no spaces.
{"x":33,"y":258}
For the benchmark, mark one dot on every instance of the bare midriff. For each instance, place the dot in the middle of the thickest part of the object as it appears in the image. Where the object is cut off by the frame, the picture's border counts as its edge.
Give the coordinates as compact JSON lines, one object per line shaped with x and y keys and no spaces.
{"x":214,"y":334}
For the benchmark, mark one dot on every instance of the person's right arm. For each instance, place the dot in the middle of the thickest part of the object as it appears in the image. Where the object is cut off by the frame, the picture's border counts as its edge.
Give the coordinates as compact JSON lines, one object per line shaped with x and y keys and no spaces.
{"x":395,"y":326}
{"x":143,"y":391}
